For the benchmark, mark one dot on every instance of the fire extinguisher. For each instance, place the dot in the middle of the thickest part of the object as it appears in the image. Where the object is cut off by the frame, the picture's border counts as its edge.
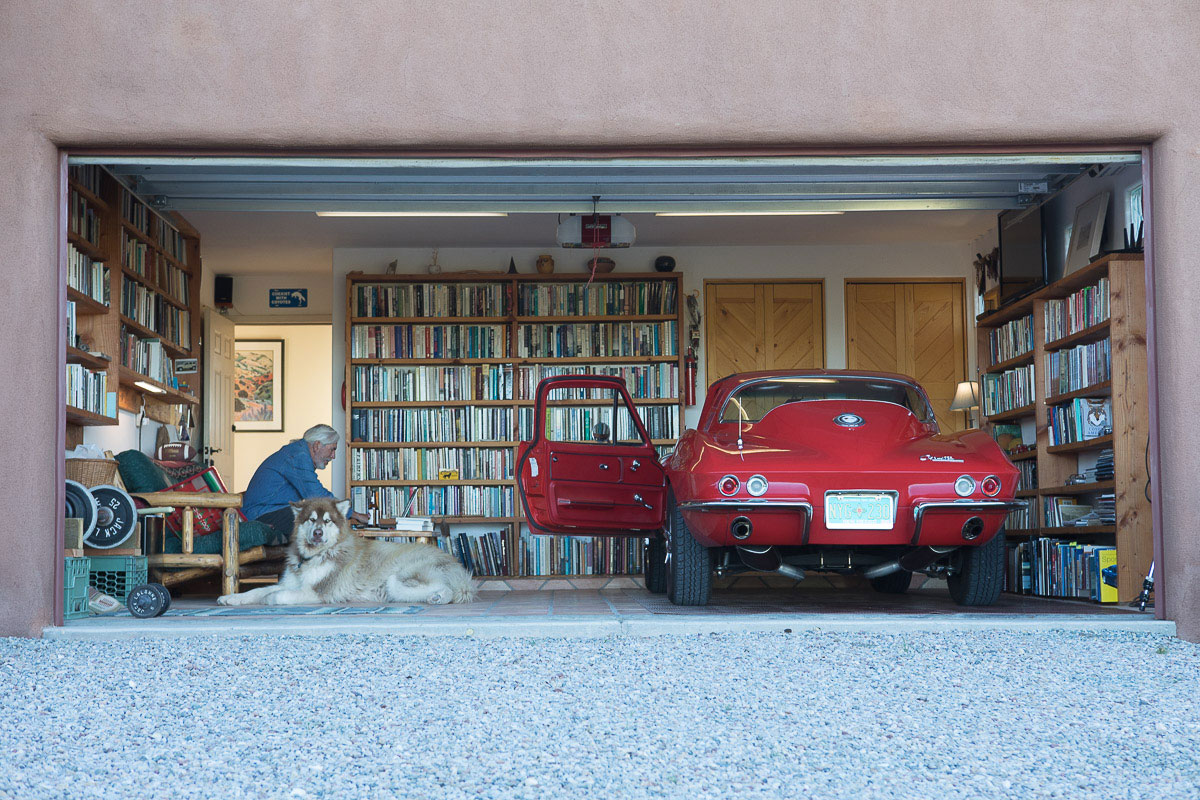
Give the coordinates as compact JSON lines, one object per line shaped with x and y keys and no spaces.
{"x":689,"y":378}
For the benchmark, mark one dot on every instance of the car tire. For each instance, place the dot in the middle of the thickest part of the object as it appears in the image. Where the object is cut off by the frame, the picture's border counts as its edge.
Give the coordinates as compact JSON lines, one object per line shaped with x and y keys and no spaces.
{"x":893,"y":583}
{"x":689,"y":564}
{"x":654,"y":558}
{"x":980,"y":573}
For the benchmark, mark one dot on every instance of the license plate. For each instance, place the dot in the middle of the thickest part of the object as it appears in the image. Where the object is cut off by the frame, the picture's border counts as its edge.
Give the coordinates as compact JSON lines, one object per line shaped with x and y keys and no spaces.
{"x":860,"y":511}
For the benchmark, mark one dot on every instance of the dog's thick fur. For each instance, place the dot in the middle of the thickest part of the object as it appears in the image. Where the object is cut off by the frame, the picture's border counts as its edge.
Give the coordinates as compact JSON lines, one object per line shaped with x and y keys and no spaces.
{"x":329,"y":563}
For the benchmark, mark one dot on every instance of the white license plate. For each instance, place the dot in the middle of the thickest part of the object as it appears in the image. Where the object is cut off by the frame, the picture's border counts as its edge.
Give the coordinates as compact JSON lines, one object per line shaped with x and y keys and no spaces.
{"x":860,"y":511}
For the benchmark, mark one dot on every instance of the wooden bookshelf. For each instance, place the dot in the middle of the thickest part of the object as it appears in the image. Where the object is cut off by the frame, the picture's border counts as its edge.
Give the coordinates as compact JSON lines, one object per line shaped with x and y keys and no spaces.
{"x":510,"y":319}
{"x":102,"y":326}
{"x":1126,"y":328}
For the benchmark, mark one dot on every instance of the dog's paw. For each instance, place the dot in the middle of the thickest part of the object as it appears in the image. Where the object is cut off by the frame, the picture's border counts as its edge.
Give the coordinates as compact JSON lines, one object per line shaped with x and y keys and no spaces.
{"x":226,"y":600}
{"x":439,"y":598}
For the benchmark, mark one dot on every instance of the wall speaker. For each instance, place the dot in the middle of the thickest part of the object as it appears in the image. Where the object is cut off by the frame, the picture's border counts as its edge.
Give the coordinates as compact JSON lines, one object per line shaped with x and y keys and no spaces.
{"x":223,"y":291}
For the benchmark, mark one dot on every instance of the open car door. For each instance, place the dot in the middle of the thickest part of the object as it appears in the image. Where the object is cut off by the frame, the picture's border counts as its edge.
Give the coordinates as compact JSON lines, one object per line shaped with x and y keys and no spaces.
{"x":590,"y":467}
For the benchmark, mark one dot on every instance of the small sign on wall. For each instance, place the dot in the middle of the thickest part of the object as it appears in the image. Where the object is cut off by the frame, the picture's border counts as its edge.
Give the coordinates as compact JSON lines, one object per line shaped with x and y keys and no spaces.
{"x":186,"y":366}
{"x":289,"y":298}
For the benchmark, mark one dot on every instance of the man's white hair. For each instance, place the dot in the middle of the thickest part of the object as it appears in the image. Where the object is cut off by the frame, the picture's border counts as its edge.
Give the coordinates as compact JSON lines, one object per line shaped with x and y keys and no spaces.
{"x":321,"y":434}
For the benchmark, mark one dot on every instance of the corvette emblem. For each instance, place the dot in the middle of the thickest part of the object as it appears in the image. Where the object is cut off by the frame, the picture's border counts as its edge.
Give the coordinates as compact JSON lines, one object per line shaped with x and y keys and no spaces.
{"x":848,"y":420}
{"x":928,"y":457}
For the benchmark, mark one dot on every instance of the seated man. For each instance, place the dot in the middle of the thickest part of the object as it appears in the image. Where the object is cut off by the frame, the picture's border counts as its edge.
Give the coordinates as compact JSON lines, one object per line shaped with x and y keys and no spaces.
{"x":289,"y":474}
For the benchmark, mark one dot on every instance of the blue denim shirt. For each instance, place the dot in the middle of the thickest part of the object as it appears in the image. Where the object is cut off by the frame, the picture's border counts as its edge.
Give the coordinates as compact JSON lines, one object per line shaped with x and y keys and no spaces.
{"x":288,"y":474}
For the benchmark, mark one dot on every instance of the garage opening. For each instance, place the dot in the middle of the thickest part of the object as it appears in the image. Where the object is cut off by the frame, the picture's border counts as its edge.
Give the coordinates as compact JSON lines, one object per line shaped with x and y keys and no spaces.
{"x":218,"y":308}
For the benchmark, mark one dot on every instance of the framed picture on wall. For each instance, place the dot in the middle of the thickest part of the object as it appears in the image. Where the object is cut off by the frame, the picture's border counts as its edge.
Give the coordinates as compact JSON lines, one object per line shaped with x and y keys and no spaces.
{"x":258,"y":385}
{"x":1087,"y":233}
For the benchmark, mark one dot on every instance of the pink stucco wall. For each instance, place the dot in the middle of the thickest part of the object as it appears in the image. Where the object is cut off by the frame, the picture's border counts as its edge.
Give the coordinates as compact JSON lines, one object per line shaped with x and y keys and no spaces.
{"x":476,"y":75}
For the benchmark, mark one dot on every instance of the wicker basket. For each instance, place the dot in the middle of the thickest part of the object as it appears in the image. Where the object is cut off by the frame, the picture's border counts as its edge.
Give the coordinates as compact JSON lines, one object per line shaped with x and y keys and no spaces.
{"x":92,"y":471}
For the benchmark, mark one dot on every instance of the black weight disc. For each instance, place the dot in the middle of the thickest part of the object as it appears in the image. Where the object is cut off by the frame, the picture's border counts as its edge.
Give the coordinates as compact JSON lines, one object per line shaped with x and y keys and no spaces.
{"x":144,"y":601}
{"x":81,"y":505}
{"x":163,"y":593}
{"x":116,"y":518}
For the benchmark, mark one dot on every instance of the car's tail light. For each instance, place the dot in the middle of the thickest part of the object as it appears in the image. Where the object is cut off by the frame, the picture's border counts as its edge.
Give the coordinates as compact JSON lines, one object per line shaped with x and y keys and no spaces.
{"x":756,"y":486}
{"x":728,"y":485}
{"x":964,"y":486}
{"x":990,"y":486}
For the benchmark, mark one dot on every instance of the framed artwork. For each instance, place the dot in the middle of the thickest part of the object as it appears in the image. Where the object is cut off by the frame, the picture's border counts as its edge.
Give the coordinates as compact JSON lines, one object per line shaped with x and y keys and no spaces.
{"x":1087,"y":233}
{"x":258,"y":385}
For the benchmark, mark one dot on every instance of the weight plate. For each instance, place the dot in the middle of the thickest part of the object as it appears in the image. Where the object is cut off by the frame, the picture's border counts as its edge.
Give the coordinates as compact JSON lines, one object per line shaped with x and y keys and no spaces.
{"x":81,"y":505}
{"x":144,"y":601}
{"x":116,"y":518}
{"x":163,"y":593}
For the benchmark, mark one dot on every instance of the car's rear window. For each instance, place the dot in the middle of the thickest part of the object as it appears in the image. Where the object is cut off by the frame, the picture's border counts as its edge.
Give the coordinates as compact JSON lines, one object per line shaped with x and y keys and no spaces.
{"x":753,"y":401}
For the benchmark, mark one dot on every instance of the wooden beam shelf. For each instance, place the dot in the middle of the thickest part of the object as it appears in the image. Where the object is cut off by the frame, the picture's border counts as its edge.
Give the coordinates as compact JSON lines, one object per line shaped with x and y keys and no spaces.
{"x":79,"y":416}
{"x":1098,"y":390}
{"x":85,"y":304}
{"x":1015,"y":361}
{"x":1016,"y":413}
{"x":89,"y":249}
{"x":1091,"y":334}
{"x":95,"y":363}
{"x":1079,"y":488}
{"x":1098,"y":443}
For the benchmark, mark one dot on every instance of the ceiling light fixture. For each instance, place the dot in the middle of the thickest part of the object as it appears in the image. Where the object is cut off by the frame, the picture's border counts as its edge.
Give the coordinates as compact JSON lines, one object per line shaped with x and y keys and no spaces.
{"x":412,"y":214}
{"x":746,"y":213}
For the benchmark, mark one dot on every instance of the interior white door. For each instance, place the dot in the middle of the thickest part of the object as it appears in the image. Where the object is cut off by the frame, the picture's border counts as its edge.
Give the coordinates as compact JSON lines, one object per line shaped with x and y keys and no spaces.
{"x":218,"y":393}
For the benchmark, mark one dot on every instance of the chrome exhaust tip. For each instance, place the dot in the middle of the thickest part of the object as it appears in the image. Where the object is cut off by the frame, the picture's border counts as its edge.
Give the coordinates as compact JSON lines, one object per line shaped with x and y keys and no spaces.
{"x":741,"y":528}
{"x":972,"y":528}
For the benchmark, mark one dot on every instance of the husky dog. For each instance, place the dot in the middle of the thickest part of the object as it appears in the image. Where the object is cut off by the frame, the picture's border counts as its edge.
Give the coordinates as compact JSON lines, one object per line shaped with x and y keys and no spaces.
{"x":329,"y":563}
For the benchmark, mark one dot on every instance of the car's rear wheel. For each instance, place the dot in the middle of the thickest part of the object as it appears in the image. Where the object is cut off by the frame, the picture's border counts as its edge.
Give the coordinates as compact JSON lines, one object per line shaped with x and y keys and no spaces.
{"x":893,"y":583}
{"x":654,"y":557}
{"x":979,"y":573}
{"x":688,"y":563}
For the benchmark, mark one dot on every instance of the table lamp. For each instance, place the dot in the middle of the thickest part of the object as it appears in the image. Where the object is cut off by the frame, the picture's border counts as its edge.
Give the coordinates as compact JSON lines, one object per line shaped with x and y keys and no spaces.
{"x":966,"y":397}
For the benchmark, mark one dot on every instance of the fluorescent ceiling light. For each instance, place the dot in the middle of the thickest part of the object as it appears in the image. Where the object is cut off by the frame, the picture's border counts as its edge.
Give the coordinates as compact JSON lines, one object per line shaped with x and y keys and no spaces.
{"x":150,"y":387}
{"x":746,"y":213}
{"x":412,"y":214}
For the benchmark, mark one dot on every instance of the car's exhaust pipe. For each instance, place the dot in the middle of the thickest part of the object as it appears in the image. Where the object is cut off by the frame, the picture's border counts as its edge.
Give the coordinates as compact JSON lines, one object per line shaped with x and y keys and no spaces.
{"x":972,"y":528}
{"x":767,"y":559}
{"x":741,"y":528}
{"x":912,"y":561}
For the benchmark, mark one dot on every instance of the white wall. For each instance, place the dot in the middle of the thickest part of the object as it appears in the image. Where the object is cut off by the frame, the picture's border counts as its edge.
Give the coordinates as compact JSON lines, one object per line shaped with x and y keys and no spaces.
{"x":834,"y":263}
{"x":307,"y":365}
{"x":251,"y":292}
{"x":1059,"y":213}
{"x":126,"y":435}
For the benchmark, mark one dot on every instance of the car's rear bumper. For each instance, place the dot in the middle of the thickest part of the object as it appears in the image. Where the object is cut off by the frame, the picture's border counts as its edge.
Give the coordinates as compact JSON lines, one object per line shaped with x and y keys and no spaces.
{"x":797,"y":522}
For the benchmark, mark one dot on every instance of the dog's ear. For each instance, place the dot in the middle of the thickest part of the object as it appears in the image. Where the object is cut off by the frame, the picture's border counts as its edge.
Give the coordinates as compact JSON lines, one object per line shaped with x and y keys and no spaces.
{"x":343,"y":507}
{"x":296,"y":509}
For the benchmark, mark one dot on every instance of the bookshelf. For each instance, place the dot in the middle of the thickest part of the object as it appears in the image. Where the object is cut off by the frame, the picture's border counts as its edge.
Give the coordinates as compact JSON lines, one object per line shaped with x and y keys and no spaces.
{"x":133,"y":280}
{"x":441,"y":374}
{"x":1079,"y":339}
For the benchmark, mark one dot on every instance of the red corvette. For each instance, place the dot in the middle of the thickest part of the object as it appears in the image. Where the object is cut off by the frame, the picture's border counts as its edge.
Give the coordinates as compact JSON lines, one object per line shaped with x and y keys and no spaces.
{"x":826,"y":470}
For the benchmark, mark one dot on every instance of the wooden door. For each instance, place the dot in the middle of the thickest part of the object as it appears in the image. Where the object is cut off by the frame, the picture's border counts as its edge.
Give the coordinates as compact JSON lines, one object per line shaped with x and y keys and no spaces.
{"x":914,"y":328}
{"x":218,"y":393}
{"x":753,"y":326}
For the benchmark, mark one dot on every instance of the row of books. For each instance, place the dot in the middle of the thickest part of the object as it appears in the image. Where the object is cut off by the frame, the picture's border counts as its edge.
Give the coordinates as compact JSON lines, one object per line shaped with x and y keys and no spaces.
{"x":82,"y":219}
{"x":578,"y":424}
{"x":436,"y":501}
{"x":484,"y":554}
{"x":1081,"y":419}
{"x":89,"y":390}
{"x":579,"y":555}
{"x":428,"y":341}
{"x":1059,"y":568}
{"x":386,"y":383}
{"x":431,"y":463}
{"x":86,"y":176}
{"x":151,"y":310}
{"x":600,"y":339}
{"x":1078,"y":367}
{"x":1012,"y":339}
{"x":432,"y":424}
{"x":72,"y":325}
{"x":1028,"y":475}
{"x":1008,"y":390}
{"x":136,"y":255}
{"x":644,"y":382}
{"x":135,"y":212}
{"x":1020,"y":519}
{"x":1087,"y":307}
{"x":1072,"y":511}
{"x":599,"y":298}
{"x":430,"y":300}
{"x":170,"y":240}
{"x":88,"y":276}
{"x":146,"y":356}
{"x":141,"y":259}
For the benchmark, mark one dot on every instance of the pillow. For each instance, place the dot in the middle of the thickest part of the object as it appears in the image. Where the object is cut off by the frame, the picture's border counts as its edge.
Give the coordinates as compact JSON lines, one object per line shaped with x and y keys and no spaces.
{"x":140,"y":474}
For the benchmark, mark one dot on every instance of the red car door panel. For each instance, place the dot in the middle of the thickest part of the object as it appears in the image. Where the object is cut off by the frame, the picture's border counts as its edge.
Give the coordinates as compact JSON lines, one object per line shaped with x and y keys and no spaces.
{"x":575,"y":485}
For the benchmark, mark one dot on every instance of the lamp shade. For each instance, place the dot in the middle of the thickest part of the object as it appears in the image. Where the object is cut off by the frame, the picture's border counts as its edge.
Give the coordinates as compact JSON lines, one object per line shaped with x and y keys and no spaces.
{"x":965,"y":396}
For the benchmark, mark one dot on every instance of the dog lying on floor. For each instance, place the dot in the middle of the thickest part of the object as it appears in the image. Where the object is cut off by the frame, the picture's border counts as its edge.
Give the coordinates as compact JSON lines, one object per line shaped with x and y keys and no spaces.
{"x":329,"y":563}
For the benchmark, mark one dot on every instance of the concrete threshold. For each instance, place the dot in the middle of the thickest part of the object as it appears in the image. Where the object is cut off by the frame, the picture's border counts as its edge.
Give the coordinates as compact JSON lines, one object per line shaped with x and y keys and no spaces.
{"x":591,"y":627}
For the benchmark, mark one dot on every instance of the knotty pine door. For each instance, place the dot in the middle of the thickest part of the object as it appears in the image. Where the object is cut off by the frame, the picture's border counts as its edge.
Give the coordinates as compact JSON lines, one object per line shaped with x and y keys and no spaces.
{"x":915,"y":328}
{"x":757,"y":325}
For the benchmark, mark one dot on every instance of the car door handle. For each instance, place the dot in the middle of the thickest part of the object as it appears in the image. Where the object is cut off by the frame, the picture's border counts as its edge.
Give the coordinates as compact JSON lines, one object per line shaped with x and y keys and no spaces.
{"x":634,"y":466}
{"x":637,"y":498}
{"x":604,"y":466}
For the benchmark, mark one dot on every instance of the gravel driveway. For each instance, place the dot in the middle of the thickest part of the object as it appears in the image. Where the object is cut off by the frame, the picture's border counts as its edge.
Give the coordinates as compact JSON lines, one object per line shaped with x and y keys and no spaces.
{"x":920,"y":715}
